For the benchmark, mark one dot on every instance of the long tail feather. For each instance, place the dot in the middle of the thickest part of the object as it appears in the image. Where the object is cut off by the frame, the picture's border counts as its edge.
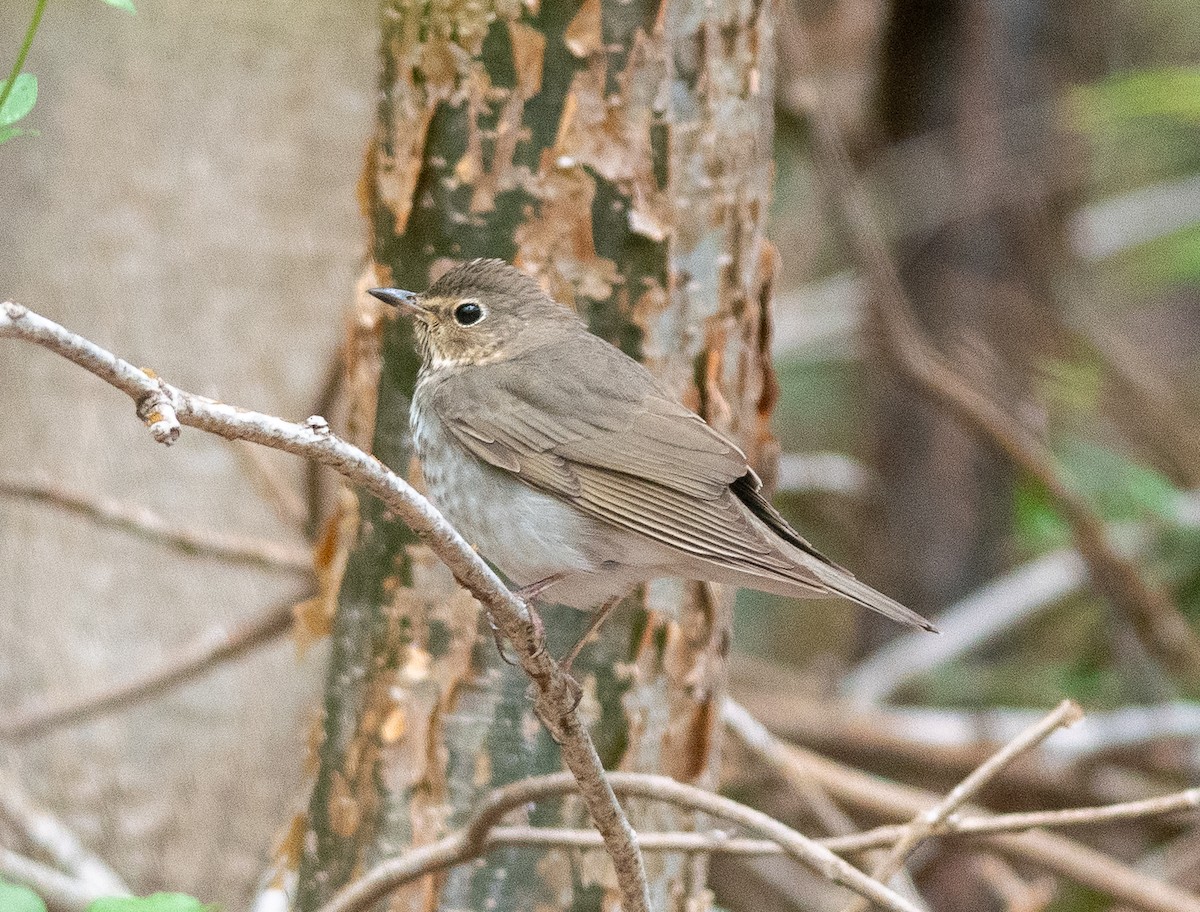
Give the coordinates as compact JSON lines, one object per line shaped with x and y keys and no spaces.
{"x":846,"y":585}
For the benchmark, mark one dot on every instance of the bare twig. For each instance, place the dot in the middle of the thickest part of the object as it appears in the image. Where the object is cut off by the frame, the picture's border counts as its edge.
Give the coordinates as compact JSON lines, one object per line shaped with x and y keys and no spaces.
{"x":164,"y":409}
{"x":831,"y":473}
{"x":217,"y":645}
{"x":854,"y":843}
{"x":924,"y":824}
{"x":138,"y":520}
{"x":1159,"y":625}
{"x":873,"y":795}
{"x":48,"y":834}
{"x":60,"y":892}
{"x":472,"y":841}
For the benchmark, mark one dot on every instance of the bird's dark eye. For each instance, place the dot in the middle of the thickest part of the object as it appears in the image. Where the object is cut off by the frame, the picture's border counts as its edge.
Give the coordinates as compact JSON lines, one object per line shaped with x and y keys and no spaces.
{"x":468,"y":312}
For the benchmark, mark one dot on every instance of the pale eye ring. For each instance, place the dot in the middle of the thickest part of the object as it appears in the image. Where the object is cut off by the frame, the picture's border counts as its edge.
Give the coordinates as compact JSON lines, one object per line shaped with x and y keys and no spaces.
{"x":468,"y":313}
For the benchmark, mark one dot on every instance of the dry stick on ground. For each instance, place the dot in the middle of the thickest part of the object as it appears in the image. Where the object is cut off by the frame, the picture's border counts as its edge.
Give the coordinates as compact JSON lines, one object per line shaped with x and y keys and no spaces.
{"x":483,"y":834}
{"x":1156,"y":619}
{"x":138,"y":520}
{"x":60,"y":892}
{"x":923,"y":824}
{"x":472,"y":840}
{"x":1048,"y":851}
{"x":164,"y":408}
{"x":219,"y":644}
{"x":876,"y":838}
{"x":45,"y":832}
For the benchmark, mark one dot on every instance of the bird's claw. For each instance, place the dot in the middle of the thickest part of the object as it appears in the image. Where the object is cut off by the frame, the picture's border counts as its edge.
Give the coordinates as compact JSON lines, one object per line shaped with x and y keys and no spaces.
{"x":499,"y":638}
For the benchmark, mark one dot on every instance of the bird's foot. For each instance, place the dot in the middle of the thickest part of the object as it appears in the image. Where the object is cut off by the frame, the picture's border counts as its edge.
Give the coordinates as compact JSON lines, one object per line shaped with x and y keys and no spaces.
{"x":499,"y":638}
{"x":598,"y":620}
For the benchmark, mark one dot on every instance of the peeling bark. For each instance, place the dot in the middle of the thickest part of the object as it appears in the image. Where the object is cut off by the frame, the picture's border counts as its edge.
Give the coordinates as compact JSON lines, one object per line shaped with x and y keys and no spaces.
{"x":620,"y":152}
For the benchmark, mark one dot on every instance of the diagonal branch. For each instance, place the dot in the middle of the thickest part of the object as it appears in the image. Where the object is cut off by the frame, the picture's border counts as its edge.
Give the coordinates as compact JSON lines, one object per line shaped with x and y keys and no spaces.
{"x":165,"y":409}
{"x":61,"y":892}
{"x":219,"y":644}
{"x":49,"y":835}
{"x":873,"y":795}
{"x":925,"y":823}
{"x":138,"y":520}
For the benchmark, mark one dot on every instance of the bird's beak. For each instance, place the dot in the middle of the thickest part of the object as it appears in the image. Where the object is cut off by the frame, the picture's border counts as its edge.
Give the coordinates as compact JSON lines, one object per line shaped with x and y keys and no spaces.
{"x":407,"y":302}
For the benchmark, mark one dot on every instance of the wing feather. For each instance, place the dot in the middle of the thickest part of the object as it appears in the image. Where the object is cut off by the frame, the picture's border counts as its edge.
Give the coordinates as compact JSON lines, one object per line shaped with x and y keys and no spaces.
{"x":606,"y":436}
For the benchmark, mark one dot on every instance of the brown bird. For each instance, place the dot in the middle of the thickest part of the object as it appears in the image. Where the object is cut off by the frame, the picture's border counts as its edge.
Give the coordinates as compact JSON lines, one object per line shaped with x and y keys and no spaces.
{"x":570,"y":468}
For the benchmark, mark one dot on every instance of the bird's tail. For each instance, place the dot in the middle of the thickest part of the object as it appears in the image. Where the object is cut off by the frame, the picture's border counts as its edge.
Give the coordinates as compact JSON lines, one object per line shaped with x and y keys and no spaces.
{"x":841,"y":582}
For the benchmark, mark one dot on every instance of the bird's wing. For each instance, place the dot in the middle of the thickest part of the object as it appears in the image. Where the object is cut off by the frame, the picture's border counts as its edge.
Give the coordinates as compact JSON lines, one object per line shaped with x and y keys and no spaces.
{"x":599,"y":432}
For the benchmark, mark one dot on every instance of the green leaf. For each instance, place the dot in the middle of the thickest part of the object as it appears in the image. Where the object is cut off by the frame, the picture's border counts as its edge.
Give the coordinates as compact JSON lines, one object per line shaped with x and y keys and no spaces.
{"x":20,"y":100}
{"x":126,"y":5}
{"x":1075,"y":384}
{"x":7,"y":133}
{"x":19,"y":899}
{"x":1174,"y":258}
{"x":158,"y":902}
{"x":1119,"y":489}
{"x":1171,"y":92}
{"x":1036,"y":523}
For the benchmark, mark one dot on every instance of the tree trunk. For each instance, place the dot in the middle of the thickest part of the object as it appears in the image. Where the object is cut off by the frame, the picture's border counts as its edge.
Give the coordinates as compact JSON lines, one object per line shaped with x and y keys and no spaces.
{"x":964,"y":88}
{"x":620,"y":152}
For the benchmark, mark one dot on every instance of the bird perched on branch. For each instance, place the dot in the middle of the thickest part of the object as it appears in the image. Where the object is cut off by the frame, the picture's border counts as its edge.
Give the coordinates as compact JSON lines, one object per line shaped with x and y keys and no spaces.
{"x":570,"y":468}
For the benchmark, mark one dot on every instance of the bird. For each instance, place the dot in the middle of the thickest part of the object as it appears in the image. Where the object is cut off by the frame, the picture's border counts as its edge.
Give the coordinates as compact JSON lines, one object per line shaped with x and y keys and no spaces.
{"x":574,"y":471}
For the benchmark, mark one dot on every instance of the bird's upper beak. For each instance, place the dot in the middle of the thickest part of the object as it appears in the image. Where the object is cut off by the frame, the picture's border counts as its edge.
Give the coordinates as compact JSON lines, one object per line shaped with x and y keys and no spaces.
{"x":407,"y":302}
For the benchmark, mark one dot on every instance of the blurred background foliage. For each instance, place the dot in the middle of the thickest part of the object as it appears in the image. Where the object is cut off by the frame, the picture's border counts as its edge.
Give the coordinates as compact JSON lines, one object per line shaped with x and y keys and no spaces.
{"x":1116,"y":400}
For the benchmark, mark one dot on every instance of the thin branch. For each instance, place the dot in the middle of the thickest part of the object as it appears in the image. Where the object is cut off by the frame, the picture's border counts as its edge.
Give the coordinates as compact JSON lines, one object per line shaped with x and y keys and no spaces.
{"x":874,"y":795}
{"x":924,"y":824}
{"x":46,"y":833}
{"x":1160,"y":626}
{"x":718,"y":842}
{"x":823,"y":473}
{"x":60,"y":892}
{"x":217,"y":645}
{"x":472,"y":841}
{"x":715,"y":842}
{"x":140,"y":521}
{"x":164,"y":409}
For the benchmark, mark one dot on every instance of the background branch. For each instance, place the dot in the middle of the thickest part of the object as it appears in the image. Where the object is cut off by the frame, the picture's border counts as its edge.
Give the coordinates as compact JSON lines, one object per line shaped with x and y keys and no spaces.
{"x":138,"y":520}
{"x":49,"y":835}
{"x":471,"y":841}
{"x":874,"y":795}
{"x":217,"y":645}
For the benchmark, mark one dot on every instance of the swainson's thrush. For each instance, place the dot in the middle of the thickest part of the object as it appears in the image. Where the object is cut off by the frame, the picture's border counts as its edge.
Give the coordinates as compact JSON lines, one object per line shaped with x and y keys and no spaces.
{"x":570,"y":468}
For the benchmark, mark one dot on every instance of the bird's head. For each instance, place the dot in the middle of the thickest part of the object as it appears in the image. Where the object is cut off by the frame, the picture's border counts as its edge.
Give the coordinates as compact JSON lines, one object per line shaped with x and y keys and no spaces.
{"x":479,"y":313}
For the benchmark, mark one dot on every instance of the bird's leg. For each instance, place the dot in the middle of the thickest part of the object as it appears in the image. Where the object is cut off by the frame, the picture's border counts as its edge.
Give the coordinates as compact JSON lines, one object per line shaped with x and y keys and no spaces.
{"x":599,"y":618}
{"x":526,"y":594}
{"x":533,"y":590}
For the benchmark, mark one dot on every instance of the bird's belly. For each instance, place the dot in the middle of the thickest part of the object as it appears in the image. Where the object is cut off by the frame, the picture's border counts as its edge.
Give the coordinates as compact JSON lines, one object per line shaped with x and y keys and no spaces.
{"x":529,"y":535}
